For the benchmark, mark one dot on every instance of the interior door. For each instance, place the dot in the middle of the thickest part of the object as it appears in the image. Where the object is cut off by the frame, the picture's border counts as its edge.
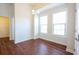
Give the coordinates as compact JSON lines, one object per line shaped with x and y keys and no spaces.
{"x":4,"y":26}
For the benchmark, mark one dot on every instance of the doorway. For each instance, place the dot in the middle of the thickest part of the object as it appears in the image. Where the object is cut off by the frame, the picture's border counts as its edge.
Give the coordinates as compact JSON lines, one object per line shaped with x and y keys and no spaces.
{"x":4,"y":27}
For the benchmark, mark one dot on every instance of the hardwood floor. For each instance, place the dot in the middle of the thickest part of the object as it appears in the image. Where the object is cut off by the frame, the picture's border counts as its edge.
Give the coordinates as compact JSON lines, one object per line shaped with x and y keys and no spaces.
{"x":31,"y":47}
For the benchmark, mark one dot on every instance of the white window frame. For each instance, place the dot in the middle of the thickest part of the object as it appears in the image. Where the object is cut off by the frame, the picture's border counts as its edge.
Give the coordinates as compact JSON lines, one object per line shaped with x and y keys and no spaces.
{"x":44,"y":24}
{"x":65,"y":25}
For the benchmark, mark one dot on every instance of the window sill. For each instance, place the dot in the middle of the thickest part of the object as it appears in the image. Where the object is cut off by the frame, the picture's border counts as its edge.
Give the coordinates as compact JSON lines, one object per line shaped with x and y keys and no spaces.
{"x":59,"y":36}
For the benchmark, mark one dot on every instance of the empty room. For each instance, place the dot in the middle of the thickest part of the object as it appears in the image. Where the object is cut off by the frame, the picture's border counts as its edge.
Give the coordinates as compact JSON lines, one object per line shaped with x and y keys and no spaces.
{"x":37,"y":28}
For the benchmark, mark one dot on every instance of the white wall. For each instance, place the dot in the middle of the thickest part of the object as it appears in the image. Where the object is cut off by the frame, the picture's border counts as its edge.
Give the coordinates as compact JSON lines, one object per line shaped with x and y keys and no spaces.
{"x":23,"y":22}
{"x":77,"y":20}
{"x":12,"y":17}
{"x":6,"y":9}
{"x":77,"y":30}
{"x":68,"y":40}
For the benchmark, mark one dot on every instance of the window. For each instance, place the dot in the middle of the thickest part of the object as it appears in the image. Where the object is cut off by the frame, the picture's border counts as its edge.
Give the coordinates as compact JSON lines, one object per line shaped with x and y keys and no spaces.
{"x":43,"y":24}
{"x":59,"y":22}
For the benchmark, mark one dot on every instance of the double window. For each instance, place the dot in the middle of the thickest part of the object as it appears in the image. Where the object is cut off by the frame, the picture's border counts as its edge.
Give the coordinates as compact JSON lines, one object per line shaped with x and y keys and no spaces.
{"x":59,"y":23}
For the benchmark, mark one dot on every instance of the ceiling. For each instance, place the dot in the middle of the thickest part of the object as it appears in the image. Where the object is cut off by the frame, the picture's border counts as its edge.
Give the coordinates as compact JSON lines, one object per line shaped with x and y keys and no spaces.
{"x":38,"y":5}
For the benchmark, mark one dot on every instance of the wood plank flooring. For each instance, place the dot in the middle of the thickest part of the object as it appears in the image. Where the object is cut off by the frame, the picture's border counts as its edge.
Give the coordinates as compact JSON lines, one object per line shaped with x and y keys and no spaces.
{"x":31,"y":47}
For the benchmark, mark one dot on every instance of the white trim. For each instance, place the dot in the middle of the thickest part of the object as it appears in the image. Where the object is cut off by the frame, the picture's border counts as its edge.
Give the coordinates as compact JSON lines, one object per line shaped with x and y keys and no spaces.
{"x":19,"y":41}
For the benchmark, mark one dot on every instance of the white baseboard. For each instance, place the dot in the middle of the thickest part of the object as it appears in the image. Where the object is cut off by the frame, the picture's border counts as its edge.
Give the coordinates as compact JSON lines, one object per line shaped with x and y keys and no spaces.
{"x":19,"y":41}
{"x":70,"y":50}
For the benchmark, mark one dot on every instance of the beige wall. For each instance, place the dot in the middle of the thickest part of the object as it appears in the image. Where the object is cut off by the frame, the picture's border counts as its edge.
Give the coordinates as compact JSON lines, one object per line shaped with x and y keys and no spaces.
{"x":4,"y":27}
